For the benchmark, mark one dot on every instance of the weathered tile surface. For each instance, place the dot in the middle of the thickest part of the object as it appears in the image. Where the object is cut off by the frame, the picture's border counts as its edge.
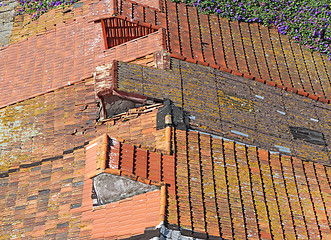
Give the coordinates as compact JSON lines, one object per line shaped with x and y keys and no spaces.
{"x":233,"y":106}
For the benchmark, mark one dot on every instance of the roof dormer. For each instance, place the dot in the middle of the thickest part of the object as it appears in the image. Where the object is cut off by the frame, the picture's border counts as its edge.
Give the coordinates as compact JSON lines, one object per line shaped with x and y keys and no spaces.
{"x":117,"y":31}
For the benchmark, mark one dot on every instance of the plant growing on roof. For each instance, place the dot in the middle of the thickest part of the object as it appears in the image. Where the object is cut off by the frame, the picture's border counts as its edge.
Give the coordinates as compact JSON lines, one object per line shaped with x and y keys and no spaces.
{"x":38,"y":7}
{"x":305,"y":21}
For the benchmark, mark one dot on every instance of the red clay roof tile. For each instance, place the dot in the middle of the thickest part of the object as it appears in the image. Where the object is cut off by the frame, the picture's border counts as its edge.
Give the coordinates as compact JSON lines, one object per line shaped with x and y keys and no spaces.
{"x":128,"y":216}
{"x":222,"y":187}
{"x":274,"y":200}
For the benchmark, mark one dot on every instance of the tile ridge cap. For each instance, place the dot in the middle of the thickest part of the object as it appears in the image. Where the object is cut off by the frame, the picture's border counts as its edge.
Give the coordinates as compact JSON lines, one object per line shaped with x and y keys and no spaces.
{"x":258,"y":148}
{"x":144,"y":5}
{"x":301,"y":92}
{"x":134,"y":177}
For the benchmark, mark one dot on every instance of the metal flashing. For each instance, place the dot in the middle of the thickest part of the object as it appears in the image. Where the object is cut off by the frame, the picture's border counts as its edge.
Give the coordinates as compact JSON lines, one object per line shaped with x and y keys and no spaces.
{"x":283,"y":149}
{"x":283,"y":113}
{"x":258,"y":96}
{"x":239,"y":133}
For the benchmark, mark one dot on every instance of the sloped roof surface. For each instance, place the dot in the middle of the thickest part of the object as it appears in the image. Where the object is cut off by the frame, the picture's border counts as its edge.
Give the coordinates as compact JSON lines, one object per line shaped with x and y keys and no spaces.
{"x":250,"y":49}
{"x":218,"y":187}
{"x":234,"y":106}
{"x":61,"y":56}
{"x":42,"y":159}
{"x":40,"y":201}
{"x":74,"y":48}
{"x":47,"y":126}
{"x":238,"y":191}
{"x":129,"y":216}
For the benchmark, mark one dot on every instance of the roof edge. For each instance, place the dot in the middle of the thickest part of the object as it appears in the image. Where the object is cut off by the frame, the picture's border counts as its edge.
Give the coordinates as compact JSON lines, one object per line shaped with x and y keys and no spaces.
{"x":301,"y":92}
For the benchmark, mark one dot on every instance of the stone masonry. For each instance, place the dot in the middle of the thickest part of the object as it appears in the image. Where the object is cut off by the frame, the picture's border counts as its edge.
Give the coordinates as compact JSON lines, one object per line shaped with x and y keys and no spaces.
{"x":7,"y":9}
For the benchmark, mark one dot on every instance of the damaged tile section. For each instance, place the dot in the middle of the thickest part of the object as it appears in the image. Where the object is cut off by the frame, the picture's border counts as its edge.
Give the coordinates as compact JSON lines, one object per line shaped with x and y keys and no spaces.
{"x":111,"y":188}
{"x":131,"y":191}
{"x":308,"y":135}
{"x":138,"y":127}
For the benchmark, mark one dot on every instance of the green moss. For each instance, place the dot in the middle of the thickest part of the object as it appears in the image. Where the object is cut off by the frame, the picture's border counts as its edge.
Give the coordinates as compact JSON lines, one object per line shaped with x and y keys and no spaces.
{"x":302,"y":20}
{"x":17,"y":127}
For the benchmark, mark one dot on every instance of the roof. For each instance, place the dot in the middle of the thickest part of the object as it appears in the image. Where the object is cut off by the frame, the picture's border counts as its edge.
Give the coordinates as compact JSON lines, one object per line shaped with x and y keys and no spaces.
{"x":142,"y":209}
{"x":241,"y":48}
{"x":244,"y":48}
{"x":252,"y":160}
{"x":233,"y":106}
{"x":226,"y":188}
{"x":42,"y":63}
{"x":229,"y":189}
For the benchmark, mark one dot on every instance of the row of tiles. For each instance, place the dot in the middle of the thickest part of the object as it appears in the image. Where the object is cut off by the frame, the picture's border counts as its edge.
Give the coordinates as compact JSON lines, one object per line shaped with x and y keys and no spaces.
{"x":234,"y":106}
{"x":233,"y":190}
{"x":247,"y":48}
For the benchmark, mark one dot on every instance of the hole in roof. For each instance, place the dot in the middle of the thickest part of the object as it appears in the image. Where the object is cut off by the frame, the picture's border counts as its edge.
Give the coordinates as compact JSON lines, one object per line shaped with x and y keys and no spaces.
{"x":118,"y":31}
{"x":108,"y":188}
{"x":116,"y":105}
{"x":308,"y":135}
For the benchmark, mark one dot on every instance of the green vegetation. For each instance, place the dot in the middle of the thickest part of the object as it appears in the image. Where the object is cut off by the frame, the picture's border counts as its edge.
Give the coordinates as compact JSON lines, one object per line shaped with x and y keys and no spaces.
{"x":307,"y":22}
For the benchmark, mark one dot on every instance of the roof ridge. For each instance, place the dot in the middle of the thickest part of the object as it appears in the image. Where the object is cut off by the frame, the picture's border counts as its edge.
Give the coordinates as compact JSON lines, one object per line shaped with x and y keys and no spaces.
{"x":270,"y":152}
{"x":301,"y":92}
{"x":106,"y":150}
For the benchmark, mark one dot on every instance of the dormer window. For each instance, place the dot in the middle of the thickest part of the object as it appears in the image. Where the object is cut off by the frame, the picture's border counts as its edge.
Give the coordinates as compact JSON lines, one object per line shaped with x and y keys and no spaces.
{"x":117,"y":31}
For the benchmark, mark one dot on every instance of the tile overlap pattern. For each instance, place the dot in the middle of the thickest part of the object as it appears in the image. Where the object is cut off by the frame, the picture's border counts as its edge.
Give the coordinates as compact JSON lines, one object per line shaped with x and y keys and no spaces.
{"x":233,"y":190}
{"x":245,"y":48}
{"x":225,"y":104}
{"x":249,"y":49}
{"x":42,"y":163}
{"x":63,"y":55}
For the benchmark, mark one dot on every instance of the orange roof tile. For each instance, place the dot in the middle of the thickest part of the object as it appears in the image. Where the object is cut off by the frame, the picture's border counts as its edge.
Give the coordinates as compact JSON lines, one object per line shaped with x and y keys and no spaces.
{"x":218,"y":187}
{"x":232,"y":190}
{"x":131,"y":216}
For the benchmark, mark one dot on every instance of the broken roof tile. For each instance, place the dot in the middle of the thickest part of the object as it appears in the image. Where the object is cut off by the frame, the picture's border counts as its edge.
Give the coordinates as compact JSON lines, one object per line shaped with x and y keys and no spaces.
{"x":216,"y":186}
